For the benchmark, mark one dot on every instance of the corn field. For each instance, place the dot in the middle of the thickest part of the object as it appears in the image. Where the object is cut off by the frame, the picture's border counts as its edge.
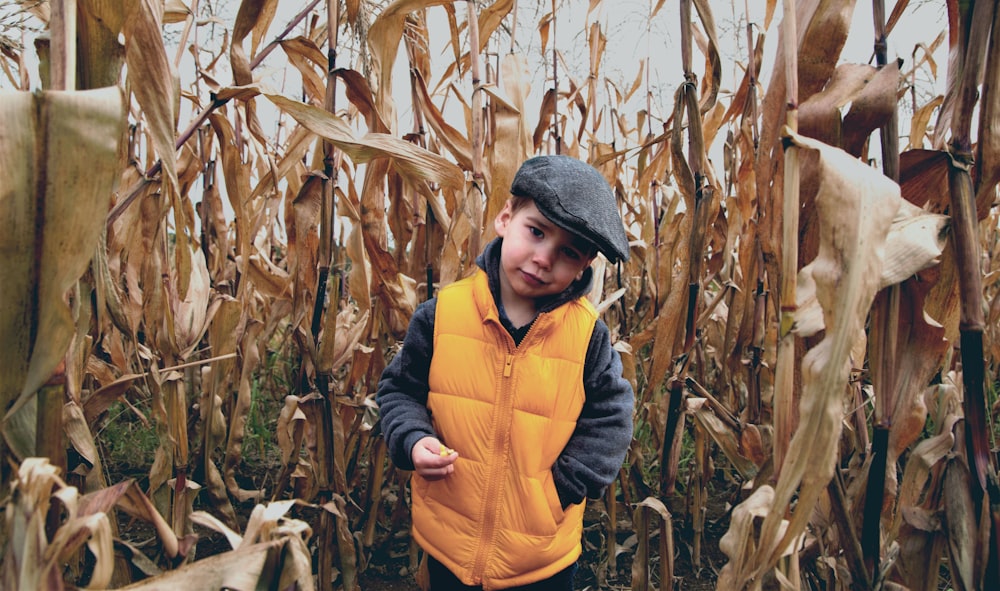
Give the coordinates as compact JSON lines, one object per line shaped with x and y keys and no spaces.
{"x":813,"y":317}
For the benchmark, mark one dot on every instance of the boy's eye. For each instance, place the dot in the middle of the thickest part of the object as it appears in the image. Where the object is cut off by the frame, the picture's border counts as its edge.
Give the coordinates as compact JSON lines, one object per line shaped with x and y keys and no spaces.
{"x":535,"y":232}
{"x":571,"y":253}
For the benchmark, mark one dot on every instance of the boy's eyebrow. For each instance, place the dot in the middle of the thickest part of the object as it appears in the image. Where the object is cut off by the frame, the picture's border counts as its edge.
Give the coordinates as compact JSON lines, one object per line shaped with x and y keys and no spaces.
{"x":539,"y":219}
{"x":576,"y":241}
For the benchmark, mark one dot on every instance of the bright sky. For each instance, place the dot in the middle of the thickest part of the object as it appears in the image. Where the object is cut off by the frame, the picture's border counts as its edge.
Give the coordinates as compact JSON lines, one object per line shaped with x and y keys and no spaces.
{"x":633,"y":37}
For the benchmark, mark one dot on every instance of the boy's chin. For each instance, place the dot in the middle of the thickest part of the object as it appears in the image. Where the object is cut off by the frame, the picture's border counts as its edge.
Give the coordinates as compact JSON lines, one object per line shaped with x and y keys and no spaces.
{"x":538,"y":293}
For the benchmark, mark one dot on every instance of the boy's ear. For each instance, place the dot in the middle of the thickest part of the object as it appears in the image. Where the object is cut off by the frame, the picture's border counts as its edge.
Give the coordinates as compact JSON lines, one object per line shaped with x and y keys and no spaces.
{"x":502,"y":220}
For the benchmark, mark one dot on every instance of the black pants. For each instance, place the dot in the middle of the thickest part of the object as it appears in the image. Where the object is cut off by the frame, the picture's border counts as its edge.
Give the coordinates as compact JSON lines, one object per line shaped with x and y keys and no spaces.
{"x":443,"y":580}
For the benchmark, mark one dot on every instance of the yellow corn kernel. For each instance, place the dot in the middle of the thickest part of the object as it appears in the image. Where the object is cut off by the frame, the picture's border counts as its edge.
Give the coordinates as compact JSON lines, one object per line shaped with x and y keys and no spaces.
{"x":445,"y":451}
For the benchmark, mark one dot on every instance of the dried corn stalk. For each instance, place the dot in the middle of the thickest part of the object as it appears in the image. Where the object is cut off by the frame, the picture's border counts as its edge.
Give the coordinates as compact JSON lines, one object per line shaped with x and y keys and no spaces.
{"x":856,"y":207}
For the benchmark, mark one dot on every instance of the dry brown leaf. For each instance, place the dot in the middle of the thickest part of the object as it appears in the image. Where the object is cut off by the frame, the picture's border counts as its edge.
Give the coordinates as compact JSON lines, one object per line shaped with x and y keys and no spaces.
{"x":737,"y":543}
{"x":237,"y":189}
{"x":383,"y":39}
{"x":146,"y":58}
{"x":247,"y":568}
{"x":512,"y":139}
{"x":240,"y":411}
{"x":954,"y":77}
{"x":923,"y":179}
{"x":988,"y":137}
{"x":136,"y":504}
{"x":306,"y":57}
{"x":651,"y":515}
{"x":100,"y":54}
{"x":490,"y":18}
{"x":712,"y":78}
{"x":920,"y":120}
{"x":341,"y":335}
{"x":452,"y":139}
{"x":856,"y":207}
{"x":73,"y":153}
{"x":360,"y":278}
{"x":193,"y":312}
{"x":360,"y":95}
{"x":302,"y":219}
{"x":921,"y":348}
{"x":727,"y":438}
{"x":411,"y":160}
{"x":914,"y":242}
{"x":34,"y":559}
{"x":961,"y":527}
{"x":289,"y":166}
{"x":352,"y":9}
{"x":820,"y":116}
{"x":546,"y":110}
{"x":175,"y":11}
{"x":925,"y":458}
{"x":822,"y":27}
{"x":289,"y":429}
{"x":872,"y":108}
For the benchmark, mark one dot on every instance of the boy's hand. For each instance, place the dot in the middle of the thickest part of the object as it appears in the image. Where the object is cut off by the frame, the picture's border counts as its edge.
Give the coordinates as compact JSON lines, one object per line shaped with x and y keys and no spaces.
{"x":432,"y":460}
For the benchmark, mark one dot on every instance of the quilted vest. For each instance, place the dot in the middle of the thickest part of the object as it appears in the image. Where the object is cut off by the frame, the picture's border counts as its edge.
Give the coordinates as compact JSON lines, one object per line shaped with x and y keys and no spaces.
{"x":509,"y":411}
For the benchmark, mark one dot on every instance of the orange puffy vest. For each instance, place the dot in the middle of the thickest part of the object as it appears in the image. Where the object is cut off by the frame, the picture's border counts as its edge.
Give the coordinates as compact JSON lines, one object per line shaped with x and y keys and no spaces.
{"x":509,"y":411}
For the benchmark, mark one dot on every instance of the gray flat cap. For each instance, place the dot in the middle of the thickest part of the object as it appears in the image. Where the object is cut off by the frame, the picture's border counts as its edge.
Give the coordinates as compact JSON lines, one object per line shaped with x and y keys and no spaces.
{"x":575,"y":197}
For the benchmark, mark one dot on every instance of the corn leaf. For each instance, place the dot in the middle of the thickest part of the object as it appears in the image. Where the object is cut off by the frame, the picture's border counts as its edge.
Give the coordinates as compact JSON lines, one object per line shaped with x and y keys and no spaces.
{"x":61,"y":155}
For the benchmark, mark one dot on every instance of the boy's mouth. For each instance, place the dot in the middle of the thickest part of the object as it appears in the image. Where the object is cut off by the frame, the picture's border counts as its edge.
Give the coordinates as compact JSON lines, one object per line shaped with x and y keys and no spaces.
{"x":531,"y":279}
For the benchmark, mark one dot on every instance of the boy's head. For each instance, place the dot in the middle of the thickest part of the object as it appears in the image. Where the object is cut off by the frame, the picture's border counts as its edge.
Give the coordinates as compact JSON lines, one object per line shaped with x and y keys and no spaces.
{"x":575,"y":197}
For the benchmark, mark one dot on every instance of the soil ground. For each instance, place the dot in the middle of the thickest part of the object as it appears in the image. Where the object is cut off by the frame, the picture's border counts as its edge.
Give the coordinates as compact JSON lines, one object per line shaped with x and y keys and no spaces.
{"x":389,"y":572}
{"x":388,"y":567}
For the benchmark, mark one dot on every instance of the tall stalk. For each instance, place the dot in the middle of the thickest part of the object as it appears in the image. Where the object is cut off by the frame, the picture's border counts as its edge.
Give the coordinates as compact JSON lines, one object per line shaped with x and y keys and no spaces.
{"x":595,"y":56}
{"x":784,"y":379}
{"x":555,"y":85}
{"x":685,"y":103}
{"x":986,"y":185}
{"x":964,"y":228}
{"x":758,"y":327}
{"x":331,"y":477}
{"x":477,"y":190}
{"x":49,"y":439}
{"x":884,"y":332}
{"x":975,"y":24}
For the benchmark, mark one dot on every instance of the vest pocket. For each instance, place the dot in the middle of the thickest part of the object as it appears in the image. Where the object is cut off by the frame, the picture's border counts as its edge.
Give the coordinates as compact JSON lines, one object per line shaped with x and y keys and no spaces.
{"x":552,"y":496}
{"x":531,"y":509}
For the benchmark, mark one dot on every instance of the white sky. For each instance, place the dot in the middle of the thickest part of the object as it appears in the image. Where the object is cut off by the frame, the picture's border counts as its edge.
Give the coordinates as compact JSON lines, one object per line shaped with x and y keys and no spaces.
{"x":632,"y":37}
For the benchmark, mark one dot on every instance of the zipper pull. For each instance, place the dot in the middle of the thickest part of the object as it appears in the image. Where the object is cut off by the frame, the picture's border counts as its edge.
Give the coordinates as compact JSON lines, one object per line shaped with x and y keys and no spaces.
{"x":508,"y":365}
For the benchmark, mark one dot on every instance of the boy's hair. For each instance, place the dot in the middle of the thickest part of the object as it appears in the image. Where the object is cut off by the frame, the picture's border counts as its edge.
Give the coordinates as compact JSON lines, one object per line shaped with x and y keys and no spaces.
{"x":574,"y":196}
{"x":519,"y":201}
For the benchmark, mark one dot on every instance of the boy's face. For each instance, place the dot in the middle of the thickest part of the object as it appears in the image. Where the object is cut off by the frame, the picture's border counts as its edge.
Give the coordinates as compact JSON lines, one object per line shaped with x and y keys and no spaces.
{"x":537,"y":258}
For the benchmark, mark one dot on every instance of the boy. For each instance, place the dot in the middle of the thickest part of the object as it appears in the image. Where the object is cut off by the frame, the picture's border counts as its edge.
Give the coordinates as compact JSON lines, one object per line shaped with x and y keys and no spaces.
{"x":507,"y":399}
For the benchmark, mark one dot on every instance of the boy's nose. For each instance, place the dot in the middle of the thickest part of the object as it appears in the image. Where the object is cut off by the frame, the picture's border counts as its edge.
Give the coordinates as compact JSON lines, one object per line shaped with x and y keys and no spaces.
{"x":544,"y":255}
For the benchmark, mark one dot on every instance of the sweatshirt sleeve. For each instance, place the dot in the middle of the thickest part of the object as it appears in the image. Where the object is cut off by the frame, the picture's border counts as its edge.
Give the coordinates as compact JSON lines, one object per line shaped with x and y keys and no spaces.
{"x":402,"y":389}
{"x":594,"y":454}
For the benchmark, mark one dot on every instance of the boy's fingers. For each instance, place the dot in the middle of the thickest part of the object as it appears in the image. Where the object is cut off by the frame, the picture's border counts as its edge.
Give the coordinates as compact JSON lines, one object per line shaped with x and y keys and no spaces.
{"x":440,"y":461}
{"x":436,"y":473}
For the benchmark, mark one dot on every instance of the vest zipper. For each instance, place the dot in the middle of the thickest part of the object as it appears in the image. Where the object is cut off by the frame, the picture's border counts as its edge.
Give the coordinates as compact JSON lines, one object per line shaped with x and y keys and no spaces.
{"x":501,"y":438}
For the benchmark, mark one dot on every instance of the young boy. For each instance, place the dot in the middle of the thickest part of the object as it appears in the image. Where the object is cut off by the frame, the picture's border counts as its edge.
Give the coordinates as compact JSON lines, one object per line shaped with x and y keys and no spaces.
{"x":507,"y":399}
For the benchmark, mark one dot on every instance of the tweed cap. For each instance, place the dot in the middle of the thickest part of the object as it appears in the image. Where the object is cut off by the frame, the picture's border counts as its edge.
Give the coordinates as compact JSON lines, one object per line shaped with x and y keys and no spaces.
{"x":575,"y":197}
